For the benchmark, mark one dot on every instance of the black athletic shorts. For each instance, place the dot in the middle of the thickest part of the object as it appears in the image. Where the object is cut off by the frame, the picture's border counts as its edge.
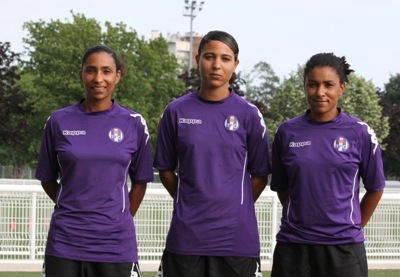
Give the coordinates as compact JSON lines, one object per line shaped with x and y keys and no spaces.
{"x":174,"y":265}
{"x":309,"y":260}
{"x":60,"y":267}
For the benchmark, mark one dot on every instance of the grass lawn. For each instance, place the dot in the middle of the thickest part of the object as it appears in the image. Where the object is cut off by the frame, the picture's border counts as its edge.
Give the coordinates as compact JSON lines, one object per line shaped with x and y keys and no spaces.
{"x":372,"y":273}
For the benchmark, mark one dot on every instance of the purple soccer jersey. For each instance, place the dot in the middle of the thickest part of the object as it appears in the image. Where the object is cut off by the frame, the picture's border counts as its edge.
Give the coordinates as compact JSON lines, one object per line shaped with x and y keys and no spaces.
{"x":215,"y":147}
{"x":320,"y":165}
{"x":91,"y":154}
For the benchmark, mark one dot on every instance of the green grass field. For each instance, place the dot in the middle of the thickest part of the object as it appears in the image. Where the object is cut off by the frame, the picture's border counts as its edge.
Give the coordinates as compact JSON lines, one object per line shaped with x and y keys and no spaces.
{"x":372,"y":273}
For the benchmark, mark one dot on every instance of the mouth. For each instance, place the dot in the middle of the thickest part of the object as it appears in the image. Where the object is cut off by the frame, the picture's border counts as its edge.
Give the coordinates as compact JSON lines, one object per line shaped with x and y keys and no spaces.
{"x":99,"y":88}
{"x":215,"y":76}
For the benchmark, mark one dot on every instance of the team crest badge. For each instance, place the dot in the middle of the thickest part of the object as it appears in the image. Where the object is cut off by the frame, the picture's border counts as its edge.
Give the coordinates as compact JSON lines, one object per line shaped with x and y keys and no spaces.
{"x":231,"y":123}
{"x":116,"y":135}
{"x":341,"y":144}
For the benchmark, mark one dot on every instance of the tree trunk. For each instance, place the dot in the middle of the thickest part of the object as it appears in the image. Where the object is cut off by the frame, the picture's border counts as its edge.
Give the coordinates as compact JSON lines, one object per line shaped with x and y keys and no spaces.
{"x":18,"y":170}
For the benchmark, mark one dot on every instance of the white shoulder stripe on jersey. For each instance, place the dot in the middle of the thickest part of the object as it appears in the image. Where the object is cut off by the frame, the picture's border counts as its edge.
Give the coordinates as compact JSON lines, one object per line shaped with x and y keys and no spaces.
{"x":262,"y":122}
{"x":143,"y":121}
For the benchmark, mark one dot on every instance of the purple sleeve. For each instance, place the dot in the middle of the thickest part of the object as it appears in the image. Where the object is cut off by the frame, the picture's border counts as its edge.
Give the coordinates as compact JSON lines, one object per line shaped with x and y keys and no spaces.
{"x":279,"y":178}
{"x":371,"y":169}
{"x":141,"y":168}
{"x":48,"y":167}
{"x":166,"y":154}
{"x":259,"y":163}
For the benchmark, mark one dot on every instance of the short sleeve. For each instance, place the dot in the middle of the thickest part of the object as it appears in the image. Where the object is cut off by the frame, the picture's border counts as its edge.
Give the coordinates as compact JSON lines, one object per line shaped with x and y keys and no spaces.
{"x":48,"y":167}
{"x":259,"y":162}
{"x":371,"y":168}
{"x":279,"y":179}
{"x":166,"y":153}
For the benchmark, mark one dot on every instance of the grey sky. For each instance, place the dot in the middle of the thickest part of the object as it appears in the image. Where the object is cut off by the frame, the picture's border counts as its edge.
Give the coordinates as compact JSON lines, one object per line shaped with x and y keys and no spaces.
{"x":283,"y":33}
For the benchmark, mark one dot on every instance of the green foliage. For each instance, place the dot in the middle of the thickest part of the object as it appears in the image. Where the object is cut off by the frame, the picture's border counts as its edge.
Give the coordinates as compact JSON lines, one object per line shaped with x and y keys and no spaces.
{"x":51,"y":76}
{"x":49,"y":80}
{"x":191,"y":79}
{"x":288,"y":102}
{"x":361,"y":100}
{"x":392,"y":89}
{"x":390,"y":100}
{"x":15,"y":113}
{"x":262,"y":83}
{"x":151,"y":81}
{"x":55,"y":50}
{"x":261,"y":86}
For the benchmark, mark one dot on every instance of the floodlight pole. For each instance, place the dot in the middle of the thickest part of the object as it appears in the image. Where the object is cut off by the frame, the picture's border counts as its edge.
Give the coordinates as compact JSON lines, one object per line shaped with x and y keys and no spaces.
{"x":191,"y":8}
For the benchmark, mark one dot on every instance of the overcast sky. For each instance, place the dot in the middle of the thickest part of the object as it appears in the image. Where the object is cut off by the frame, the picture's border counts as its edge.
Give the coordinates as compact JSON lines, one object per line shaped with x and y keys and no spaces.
{"x":283,"y":33}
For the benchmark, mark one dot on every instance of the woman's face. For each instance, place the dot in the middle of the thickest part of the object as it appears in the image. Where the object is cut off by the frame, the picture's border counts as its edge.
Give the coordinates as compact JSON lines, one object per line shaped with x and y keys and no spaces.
{"x":99,"y":76}
{"x":216,"y":64}
{"x":323,"y":89}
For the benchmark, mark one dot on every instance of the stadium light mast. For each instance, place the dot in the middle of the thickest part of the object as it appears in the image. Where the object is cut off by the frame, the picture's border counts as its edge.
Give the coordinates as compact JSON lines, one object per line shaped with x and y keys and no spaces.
{"x":191,"y":10}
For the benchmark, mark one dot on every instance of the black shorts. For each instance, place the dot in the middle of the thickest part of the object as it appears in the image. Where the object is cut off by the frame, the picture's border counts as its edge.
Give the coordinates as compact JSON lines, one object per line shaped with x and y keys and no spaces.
{"x":60,"y":267}
{"x":173,"y":265}
{"x":306,"y":260}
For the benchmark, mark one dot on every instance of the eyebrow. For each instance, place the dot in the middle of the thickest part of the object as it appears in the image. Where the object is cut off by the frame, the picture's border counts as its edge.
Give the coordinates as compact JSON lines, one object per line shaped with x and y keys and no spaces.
{"x":315,"y":81}
{"x":213,"y":53}
{"x":94,"y":67}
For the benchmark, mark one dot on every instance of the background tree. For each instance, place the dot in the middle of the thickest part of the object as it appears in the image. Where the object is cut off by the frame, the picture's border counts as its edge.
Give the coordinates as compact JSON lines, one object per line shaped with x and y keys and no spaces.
{"x":55,"y":48}
{"x":359,"y":100}
{"x":49,"y":79}
{"x":14,"y":114}
{"x":152,"y":81}
{"x":237,"y":83}
{"x":191,"y":79}
{"x":390,"y":101}
{"x":289,"y":101}
{"x":392,"y":89}
{"x":261,"y":86}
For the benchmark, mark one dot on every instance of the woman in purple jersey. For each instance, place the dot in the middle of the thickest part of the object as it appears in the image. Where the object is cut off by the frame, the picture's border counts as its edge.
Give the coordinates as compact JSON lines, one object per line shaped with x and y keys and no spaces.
{"x":318,"y":160}
{"x":88,"y":150}
{"x":212,"y":155}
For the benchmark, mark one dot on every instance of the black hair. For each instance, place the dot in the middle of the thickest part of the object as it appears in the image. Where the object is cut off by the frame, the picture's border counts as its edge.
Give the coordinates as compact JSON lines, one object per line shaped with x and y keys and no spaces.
{"x":119,"y":64}
{"x":223,"y":37}
{"x":339,"y":64}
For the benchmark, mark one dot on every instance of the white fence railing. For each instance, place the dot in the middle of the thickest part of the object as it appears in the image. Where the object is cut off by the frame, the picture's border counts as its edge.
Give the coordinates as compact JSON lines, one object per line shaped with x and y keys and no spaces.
{"x":25,"y":212}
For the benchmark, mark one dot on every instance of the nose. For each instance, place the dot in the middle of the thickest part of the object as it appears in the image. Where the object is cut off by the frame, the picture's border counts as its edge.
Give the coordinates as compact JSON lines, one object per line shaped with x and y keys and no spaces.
{"x":320,"y":90}
{"x":98,"y":77}
{"x":217,"y":63}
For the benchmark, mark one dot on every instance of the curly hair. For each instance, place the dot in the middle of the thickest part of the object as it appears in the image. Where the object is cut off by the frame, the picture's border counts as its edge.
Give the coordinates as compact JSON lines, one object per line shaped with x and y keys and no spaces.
{"x":339,"y":64}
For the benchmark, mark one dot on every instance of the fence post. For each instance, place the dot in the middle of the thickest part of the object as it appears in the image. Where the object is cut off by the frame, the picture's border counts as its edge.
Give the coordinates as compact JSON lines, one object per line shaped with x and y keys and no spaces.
{"x":32,"y":230}
{"x":275,"y":217}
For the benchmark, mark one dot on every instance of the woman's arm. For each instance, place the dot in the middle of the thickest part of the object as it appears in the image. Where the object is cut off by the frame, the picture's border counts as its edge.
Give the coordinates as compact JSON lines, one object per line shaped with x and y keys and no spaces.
{"x":282,"y":195}
{"x":368,"y":204}
{"x":136,"y":195}
{"x":258,"y":184}
{"x":50,"y":188}
{"x":169,"y":181}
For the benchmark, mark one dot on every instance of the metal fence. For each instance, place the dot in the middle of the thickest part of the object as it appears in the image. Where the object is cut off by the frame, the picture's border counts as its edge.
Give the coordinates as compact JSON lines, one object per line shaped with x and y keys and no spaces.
{"x":7,"y":171}
{"x":25,"y":212}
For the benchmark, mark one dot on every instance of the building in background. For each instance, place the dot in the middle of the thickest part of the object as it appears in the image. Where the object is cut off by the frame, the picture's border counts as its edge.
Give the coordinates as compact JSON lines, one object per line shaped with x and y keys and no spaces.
{"x":179,"y":45}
